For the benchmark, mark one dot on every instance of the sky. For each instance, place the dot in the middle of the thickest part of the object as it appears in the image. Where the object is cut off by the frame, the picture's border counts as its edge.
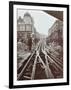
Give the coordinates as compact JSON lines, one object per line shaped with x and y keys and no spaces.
{"x":42,"y":20}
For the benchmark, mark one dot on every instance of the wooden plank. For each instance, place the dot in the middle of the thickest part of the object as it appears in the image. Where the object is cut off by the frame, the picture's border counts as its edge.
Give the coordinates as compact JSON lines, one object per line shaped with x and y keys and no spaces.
{"x":55,"y":58}
{"x":22,"y":61}
{"x":27,"y":77}
{"x":34,"y":68}
{"x":46,"y":71}
{"x":25,"y":66}
{"x":54,"y":62}
{"x":35,"y":61}
{"x":52,"y":50}
{"x":50,"y":75}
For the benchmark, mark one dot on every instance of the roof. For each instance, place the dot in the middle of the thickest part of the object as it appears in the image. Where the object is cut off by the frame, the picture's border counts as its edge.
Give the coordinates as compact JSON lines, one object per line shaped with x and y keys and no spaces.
{"x":20,"y":20}
{"x":27,"y":14}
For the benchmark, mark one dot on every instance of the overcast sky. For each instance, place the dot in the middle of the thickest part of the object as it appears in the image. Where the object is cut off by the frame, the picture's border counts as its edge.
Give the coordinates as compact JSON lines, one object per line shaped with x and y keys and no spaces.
{"x":42,"y":20}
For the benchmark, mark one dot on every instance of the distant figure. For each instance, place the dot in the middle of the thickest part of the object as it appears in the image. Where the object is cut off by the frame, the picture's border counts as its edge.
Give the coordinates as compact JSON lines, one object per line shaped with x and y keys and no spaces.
{"x":30,"y":43}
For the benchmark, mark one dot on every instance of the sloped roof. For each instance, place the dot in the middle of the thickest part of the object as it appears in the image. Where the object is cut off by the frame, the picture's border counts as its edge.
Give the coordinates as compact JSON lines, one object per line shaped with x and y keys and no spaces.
{"x":20,"y":20}
{"x":27,"y":14}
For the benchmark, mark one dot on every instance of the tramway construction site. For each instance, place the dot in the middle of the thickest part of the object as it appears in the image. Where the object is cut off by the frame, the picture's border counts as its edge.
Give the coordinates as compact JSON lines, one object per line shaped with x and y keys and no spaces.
{"x":39,"y":56}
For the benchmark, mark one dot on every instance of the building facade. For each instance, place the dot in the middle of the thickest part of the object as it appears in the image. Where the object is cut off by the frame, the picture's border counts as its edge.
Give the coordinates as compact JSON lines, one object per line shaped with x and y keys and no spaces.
{"x":25,"y":27}
{"x":58,"y":25}
{"x":55,"y":33}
